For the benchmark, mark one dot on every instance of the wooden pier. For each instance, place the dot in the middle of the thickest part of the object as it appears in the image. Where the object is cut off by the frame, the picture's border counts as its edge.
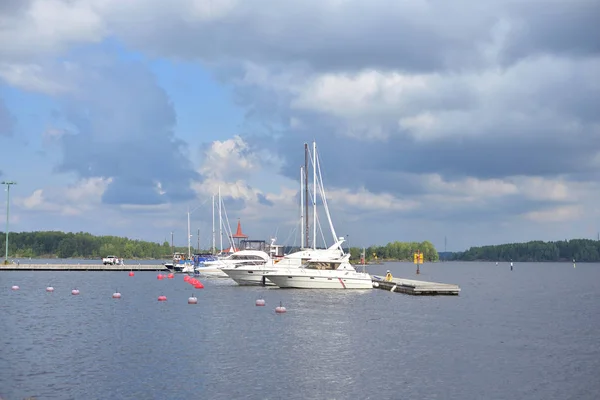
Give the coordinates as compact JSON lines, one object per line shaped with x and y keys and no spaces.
{"x":81,"y":267}
{"x":418,"y":288}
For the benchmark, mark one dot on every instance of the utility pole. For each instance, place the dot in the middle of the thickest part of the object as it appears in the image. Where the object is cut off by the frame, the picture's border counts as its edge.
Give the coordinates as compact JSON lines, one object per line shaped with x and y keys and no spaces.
{"x":7,"y":183}
{"x":172,"y":247}
{"x":445,"y":251}
{"x":198,"y":241}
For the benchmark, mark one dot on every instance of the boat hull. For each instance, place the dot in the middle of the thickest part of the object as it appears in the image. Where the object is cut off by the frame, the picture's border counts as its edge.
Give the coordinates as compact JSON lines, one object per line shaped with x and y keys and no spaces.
{"x":211,"y":272}
{"x":248,"y":277}
{"x":321,"y":281}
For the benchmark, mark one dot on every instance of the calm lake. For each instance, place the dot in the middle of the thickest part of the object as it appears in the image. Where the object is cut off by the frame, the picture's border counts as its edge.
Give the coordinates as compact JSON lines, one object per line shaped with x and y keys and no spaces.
{"x":531,"y":333}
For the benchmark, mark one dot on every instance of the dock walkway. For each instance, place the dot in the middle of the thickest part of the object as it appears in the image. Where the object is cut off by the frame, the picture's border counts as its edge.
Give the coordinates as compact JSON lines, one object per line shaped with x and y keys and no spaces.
{"x":411,"y":286}
{"x":82,"y":267}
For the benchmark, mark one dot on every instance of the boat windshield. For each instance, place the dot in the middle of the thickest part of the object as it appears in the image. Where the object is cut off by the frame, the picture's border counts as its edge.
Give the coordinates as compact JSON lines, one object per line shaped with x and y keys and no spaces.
{"x":245,"y":257}
{"x":322,"y":265}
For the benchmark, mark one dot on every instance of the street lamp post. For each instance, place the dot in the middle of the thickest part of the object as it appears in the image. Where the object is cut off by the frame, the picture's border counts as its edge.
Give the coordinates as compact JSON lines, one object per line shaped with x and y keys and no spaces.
{"x":7,"y":183}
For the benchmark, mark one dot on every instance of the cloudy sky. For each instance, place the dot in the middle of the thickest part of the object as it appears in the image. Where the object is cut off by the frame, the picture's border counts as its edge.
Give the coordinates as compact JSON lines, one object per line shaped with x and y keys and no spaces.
{"x":476,"y":121}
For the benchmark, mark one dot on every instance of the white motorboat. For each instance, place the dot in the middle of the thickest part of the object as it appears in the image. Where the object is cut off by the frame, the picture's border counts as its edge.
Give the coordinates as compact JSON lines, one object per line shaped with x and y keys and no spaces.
{"x":321,"y":274}
{"x":244,"y":274}
{"x":252,"y":258}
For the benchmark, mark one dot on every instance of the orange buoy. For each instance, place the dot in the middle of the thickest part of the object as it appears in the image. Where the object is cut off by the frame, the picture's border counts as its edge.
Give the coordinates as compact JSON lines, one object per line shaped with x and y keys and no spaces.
{"x":162,"y":298}
{"x":260,"y":302}
{"x":281,"y":309}
{"x":193,"y":300}
{"x":131,"y":273}
{"x":49,"y":289}
{"x":75,"y":291}
{"x":15,"y":287}
{"x":170,"y":276}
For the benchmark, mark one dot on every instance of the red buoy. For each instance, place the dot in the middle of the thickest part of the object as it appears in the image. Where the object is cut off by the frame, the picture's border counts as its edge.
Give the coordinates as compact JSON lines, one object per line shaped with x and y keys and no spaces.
{"x":15,"y":287}
{"x":198,"y":285}
{"x":75,"y":291}
{"x":186,"y":278}
{"x":162,"y":298}
{"x":260,"y":302}
{"x":171,"y":276}
{"x":281,"y":309}
{"x":49,"y":289}
{"x":160,"y":276}
{"x":131,"y":273}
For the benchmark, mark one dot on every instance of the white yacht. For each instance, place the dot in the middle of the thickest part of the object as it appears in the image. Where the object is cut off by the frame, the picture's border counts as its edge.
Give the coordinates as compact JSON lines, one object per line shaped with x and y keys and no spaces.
{"x":321,"y":274}
{"x":244,"y":274}
{"x":239,"y":258}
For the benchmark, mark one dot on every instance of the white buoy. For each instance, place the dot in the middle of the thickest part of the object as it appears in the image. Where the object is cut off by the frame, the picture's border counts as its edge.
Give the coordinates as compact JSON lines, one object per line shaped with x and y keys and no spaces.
{"x":193,"y":300}
{"x":260,"y":302}
{"x":281,"y":309}
{"x":375,"y":284}
{"x":49,"y":289}
{"x":116,"y":295}
{"x":75,"y":291}
{"x":15,"y":287}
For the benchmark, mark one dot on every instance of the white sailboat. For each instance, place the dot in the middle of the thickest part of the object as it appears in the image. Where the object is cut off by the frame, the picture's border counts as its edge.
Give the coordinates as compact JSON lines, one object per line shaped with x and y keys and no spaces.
{"x":322,"y":271}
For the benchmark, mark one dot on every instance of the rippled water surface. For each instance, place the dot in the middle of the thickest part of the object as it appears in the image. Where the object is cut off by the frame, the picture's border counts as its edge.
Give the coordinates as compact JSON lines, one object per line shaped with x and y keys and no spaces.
{"x":533,"y":333}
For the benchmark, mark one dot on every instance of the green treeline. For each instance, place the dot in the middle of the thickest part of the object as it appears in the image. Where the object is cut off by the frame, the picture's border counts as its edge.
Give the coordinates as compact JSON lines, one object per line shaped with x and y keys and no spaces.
{"x":81,"y":245}
{"x":584,"y":250}
{"x":402,"y":251}
{"x":84,"y":245}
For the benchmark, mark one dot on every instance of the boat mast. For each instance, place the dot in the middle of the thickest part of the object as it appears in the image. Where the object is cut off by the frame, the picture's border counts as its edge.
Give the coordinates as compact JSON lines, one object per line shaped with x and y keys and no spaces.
{"x":220,"y":224}
{"x":301,"y":209}
{"x":306,"y":241}
{"x":189,"y":236}
{"x":213,"y":224}
{"x":314,"y":195}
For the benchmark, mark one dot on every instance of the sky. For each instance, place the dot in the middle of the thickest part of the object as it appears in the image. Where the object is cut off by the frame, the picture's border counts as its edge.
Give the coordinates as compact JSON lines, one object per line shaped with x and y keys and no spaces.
{"x":464,"y":123}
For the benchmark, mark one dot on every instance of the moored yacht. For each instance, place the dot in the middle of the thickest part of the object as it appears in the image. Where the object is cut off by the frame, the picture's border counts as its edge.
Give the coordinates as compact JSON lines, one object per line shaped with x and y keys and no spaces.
{"x":252,"y":258}
{"x":255,"y":274}
{"x":321,"y":274}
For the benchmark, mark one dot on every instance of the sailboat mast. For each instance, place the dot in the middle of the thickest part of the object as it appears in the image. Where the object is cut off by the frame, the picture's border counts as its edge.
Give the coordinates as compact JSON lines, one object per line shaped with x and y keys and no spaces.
{"x":306,"y":241}
{"x":301,"y":209}
{"x":213,"y":224}
{"x":315,"y":195}
{"x":189,"y":236}
{"x":220,"y":223}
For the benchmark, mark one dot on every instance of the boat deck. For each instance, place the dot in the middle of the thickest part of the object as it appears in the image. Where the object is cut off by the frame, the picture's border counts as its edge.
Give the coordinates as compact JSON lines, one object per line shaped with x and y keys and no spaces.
{"x":82,"y":267}
{"x":414,"y":287}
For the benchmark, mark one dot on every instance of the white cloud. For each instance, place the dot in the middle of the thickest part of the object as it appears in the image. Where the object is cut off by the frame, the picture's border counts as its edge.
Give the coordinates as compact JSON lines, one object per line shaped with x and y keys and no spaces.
{"x":367,"y":201}
{"x":31,"y":77}
{"x":557,"y":214}
{"x":231,"y":157}
{"x":83,"y":196}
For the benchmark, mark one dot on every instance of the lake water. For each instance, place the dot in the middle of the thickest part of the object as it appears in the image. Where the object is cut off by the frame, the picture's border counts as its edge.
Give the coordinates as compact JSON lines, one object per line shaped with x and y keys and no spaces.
{"x":533,"y":333}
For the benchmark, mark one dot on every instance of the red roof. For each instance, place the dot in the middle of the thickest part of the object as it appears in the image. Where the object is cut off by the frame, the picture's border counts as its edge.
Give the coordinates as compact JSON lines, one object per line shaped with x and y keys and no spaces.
{"x":238,"y":233}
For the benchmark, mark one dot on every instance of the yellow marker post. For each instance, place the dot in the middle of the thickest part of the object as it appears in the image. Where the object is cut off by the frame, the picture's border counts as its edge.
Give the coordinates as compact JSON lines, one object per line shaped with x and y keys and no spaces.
{"x":418,"y":259}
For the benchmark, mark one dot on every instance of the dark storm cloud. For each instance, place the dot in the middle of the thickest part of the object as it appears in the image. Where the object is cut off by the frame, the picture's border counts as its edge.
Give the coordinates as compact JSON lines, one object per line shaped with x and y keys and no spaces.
{"x":569,"y":28}
{"x":7,"y":120}
{"x":124,"y":129}
{"x":349,"y":36}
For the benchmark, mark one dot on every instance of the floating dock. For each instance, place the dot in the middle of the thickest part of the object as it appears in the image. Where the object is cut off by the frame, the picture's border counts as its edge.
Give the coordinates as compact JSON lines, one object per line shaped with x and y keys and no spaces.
{"x":418,"y":288}
{"x":81,"y":267}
